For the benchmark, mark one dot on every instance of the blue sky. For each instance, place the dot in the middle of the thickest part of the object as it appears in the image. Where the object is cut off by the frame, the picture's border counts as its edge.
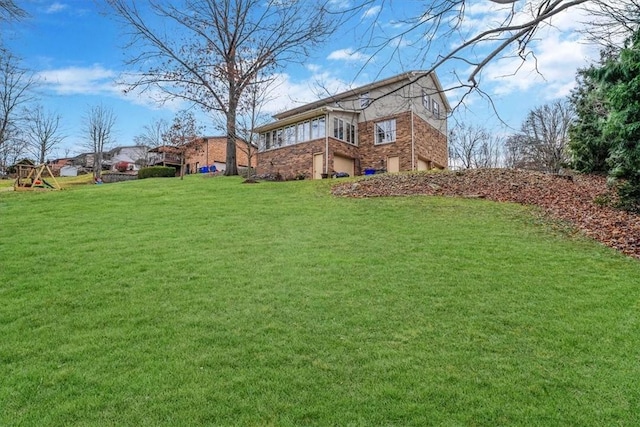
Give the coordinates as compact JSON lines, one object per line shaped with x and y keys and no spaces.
{"x":76,"y":52}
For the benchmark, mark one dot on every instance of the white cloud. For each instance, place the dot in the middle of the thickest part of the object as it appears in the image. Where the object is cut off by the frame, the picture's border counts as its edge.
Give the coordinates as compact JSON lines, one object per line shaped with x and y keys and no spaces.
{"x":56,"y":7}
{"x":286,"y":93}
{"x":79,"y":80}
{"x":99,"y":81}
{"x":372,"y":12}
{"x":347,"y":54}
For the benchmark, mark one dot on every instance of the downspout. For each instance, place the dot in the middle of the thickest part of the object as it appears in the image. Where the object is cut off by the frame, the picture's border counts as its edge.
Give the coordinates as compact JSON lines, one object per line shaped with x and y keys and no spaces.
{"x":413,"y":143}
{"x":413,"y":140}
{"x":326,"y":144}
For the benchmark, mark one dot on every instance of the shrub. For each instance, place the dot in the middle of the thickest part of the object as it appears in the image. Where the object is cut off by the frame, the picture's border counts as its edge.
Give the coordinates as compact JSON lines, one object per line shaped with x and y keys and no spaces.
{"x":157,"y":172}
{"x":122,"y":166}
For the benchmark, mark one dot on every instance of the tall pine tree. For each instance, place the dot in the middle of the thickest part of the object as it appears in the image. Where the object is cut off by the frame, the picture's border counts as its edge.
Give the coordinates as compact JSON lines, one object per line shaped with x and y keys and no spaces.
{"x":620,"y":80}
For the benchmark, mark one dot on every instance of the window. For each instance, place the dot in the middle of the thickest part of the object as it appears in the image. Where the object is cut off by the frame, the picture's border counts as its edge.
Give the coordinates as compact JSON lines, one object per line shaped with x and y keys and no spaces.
{"x":385,"y":131}
{"x":344,"y":131}
{"x":364,"y":100}
{"x":293,"y":134}
{"x":351,"y":133}
{"x":338,"y":128}
{"x":436,"y":109}
{"x":290,"y":135}
{"x":317,"y":128}
{"x":303,"y":131}
{"x":426,"y":101}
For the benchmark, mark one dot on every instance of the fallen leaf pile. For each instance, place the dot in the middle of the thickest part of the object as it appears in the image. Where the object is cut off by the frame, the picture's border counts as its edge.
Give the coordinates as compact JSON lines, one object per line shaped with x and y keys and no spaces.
{"x":582,"y":200}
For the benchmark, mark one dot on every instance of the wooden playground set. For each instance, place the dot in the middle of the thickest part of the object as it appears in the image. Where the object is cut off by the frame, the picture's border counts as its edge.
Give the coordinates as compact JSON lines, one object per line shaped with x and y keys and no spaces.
{"x":38,"y":177}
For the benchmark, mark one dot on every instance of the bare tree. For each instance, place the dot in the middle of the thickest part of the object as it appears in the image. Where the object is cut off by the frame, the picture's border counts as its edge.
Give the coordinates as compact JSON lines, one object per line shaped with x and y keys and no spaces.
{"x":251,"y":115}
{"x":41,"y":132}
{"x":512,"y":33}
{"x":16,"y":85}
{"x":209,"y":52}
{"x":151,"y":137}
{"x":543,"y":141}
{"x":181,"y":135}
{"x":99,"y":124}
{"x":10,"y":152}
{"x":10,"y":11}
{"x":472,"y":146}
{"x":614,"y":22}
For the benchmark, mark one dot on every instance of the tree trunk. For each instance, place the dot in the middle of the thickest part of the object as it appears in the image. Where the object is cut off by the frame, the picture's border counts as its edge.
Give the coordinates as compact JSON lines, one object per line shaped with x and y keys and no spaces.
{"x":231,"y":161}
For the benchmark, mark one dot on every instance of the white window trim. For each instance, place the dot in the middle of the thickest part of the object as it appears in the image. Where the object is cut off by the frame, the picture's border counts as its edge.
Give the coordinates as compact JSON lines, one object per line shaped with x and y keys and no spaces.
{"x":390,"y":131}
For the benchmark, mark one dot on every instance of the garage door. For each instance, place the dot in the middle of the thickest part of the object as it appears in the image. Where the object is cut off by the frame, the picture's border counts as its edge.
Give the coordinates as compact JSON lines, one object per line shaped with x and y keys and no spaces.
{"x":344,"y":164}
{"x":423,"y":165}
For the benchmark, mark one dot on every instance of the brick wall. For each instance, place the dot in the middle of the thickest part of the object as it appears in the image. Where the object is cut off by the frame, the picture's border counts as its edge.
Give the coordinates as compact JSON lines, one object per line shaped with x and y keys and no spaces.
{"x":290,"y":161}
{"x":217,"y":153}
{"x":430,"y":144}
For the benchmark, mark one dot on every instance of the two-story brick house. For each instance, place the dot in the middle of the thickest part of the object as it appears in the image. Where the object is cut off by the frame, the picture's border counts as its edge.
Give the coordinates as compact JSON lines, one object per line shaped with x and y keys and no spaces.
{"x":396,"y":124}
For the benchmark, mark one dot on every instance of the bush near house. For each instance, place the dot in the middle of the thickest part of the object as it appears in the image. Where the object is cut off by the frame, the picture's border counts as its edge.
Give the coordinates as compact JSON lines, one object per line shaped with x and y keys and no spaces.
{"x":122,"y":166}
{"x":157,"y":172}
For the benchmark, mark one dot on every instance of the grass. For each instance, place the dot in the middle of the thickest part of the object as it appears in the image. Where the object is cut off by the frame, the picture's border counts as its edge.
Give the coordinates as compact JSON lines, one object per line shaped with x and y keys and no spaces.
{"x":205,"y":301}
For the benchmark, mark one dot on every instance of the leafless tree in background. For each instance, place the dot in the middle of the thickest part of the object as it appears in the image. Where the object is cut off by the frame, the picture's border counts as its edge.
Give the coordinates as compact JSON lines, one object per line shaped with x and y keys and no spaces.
{"x":208,"y":52}
{"x":9,"y":11}
{"x":250,"y":115}
{"x":183,"y":133}
{"x":612,"y":22}
{"x":16,"y":86}
{"x":99,"y":133}
{"x":542,"y":143}
{"x":151,"y":137}
{"x":472,"y":146}
{"x":41,"y":132}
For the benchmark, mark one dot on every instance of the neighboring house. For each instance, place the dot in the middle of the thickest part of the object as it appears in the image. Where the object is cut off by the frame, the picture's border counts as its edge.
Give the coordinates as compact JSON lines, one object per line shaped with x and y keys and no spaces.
{"x":165,"y":155}
{"x":396,"y":124}
{"x":57,"y":164}
{"x":210,"y":151}
{"x":135,"y":156}
{"x":84,"y":160}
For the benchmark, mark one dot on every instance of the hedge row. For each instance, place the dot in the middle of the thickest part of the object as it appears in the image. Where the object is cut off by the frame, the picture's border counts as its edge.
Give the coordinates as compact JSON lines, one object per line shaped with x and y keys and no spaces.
{"x":157,"y":172}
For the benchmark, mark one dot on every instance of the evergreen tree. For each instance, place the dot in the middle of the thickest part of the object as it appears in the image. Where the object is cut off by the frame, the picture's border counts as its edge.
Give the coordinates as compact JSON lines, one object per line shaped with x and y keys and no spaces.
{"x":620,"y":80}
{"x":587,"y":144}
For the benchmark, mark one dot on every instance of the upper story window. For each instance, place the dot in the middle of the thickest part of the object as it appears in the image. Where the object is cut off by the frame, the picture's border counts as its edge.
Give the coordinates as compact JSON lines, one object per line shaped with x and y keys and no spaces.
{"x":344,"y":131}
{"x":436,"y":109}
{"x":426,"y":100}
{"x":365,"y":100}
{"x":385,"y":131}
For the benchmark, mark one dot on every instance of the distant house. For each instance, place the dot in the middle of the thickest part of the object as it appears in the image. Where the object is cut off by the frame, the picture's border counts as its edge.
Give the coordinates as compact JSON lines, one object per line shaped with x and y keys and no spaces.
{"x":83,"y":160}
{"x":396,"y":124}
{"x":165,"y":155}
{"x":135,"y":156}
{"x":57,"y":164}
{"x":211,"y":151}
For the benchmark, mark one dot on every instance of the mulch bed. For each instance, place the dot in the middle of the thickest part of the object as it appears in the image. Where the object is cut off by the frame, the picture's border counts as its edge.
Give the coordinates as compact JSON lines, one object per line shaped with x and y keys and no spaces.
{"x":582,"y":200}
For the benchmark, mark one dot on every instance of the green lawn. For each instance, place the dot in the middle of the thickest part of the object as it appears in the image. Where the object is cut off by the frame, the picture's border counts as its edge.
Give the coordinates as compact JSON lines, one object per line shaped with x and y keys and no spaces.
{"x":208,"y":301}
